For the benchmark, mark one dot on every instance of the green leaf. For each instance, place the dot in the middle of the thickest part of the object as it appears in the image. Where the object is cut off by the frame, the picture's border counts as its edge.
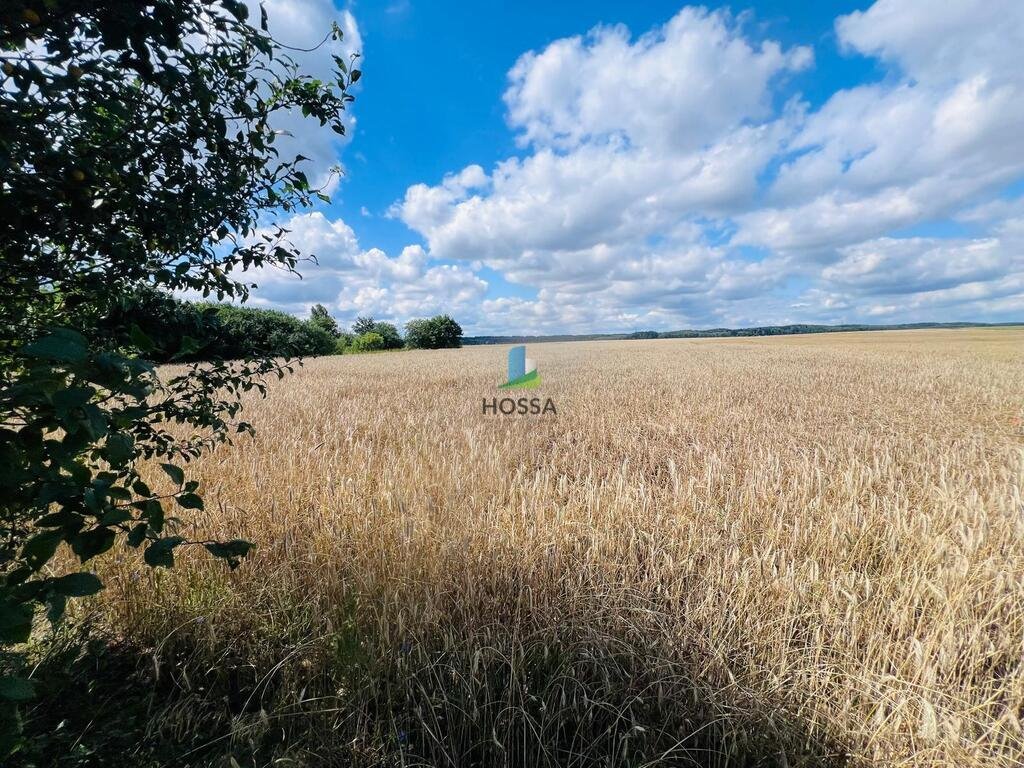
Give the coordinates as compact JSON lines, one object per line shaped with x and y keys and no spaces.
{"x":15,"y":621}
{"x":136,"y":536}
{"x":190,"y":501}
{"x":63,"y":345}
{"x":229,"y":550}
{"x":161,"y":552}
{"x":120,"y":449}
{"x":40,"y":548}
{"x":16,"y":689}
{"x":141,"y":340}
{"x":91,"y":543}
{"x":77,"y":584}
{"x":67,"y":400}
{"x":154,"y":514}
{"x":116,"y":516}
{"x":175,"y":473}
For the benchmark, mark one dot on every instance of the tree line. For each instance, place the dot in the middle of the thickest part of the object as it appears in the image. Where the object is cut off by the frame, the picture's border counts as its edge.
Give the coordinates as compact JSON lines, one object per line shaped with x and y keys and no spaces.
{"x":369,"y":335}
{"x":185,"y":331}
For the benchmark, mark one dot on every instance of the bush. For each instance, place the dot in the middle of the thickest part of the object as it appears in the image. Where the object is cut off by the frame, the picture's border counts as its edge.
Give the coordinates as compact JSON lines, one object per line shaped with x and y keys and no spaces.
{"x":246,"y":332}
{"x":321,"y":317}
{"x":368,"y":342}
{"x":227,"y":331}
{"x":438,"y":332}
{"x":389,"y":333}
{"x":343,"y":343}
{"x":362,"y":325}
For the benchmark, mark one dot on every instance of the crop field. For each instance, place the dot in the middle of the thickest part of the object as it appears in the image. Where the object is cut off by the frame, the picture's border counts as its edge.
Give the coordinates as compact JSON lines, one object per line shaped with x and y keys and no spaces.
{"x":773,"y":551}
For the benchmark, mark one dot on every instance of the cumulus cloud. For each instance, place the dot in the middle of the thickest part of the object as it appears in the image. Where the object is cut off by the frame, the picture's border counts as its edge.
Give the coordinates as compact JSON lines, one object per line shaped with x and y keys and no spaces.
{"x":939,"y":43}
{"x":883,"y":156}
{"x":303,"y":24}
{"x":673,"y":178}
{"x":677,"y":88}
{"x":352,"y":281}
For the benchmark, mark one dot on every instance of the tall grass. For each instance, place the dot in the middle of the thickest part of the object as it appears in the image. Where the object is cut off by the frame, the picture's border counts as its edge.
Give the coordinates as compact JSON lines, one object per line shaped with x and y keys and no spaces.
{"x":719,"y":552}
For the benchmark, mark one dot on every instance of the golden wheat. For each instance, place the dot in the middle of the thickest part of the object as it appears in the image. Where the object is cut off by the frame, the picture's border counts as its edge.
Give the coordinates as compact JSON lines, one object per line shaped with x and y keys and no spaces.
{"x":801,"y":549}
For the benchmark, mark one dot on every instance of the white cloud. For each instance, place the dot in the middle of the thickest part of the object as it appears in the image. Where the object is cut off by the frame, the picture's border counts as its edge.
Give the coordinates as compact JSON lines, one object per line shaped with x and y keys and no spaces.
{"x":921,"y":265}
{"x":652,"y":165}
{"x":674,"y":89}
{"x":674,"y":179}
{"x":352,"y":281}
{"x":303,"y":24}
{"x":939,"y":42}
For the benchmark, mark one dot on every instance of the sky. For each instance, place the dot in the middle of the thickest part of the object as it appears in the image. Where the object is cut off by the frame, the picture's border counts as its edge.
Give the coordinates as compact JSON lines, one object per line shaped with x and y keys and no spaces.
{"x":589,"y":167}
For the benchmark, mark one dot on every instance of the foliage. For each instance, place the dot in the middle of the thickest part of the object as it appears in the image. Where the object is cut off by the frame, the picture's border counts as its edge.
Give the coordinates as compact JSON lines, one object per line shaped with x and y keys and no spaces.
{"x":389,"y":334}
{"x":229,"y":331}
{"x":363,"y":325}
{"x":343,"y":342}
{"x":370,"y":341}
{"x":246,"y":332}
{"x":320,"y":316}
{"x":438,"y":332}
{"x":136,"y":149}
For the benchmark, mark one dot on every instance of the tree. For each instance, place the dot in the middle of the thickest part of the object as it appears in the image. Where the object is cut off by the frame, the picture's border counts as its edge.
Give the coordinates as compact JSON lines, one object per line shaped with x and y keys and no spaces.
{"x":417,"y":334}
{"x":368,"y":342}
{"x":363,"y":325}
{"x":439,"y":332}
{"x":230,"y":331}
{"x":389,"y":334}
{"x":343,"y":342}
{"x":136,"y":151}
{"x":320,"y":316}
{"x":243,"y":332}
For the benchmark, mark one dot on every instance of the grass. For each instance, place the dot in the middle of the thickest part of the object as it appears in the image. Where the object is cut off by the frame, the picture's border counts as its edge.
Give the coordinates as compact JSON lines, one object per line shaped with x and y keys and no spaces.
{"x":776,"y":552}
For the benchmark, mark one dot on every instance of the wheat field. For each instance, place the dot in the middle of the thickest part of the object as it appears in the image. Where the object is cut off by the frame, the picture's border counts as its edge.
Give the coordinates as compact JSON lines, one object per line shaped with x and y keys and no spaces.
{"x":771,"y":551}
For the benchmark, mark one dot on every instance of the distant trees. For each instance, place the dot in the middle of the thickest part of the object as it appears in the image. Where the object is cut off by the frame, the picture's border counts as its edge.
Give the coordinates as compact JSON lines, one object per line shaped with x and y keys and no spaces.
{"x":188,"y":332}
{"x":244,"y":332}
{"x":321,"y":317}
{"x":362,"y":325}
{"x":343,"y":342}
{"x":389,"y":335}
{"x":205,"y":330}
{"x":438,"y":332}
{"x":370,"y":341}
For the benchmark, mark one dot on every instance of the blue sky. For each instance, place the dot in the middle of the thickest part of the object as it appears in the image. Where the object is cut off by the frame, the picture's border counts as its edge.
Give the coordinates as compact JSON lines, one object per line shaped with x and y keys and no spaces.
{"x":585,"y":167}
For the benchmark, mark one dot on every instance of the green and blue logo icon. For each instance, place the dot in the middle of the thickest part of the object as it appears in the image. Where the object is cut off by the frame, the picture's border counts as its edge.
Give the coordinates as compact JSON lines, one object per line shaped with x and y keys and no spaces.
{"x":522,"y":374}
{"x":522,"y":371}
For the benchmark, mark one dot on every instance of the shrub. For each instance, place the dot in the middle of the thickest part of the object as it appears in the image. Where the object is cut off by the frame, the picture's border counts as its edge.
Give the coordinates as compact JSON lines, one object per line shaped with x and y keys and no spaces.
{"x":246,"y":332}
{"x":321,"y":317}
{"x":368,"y":342}
{"x":389,"y":333}
{"x":439,"y":332}
{"x":343,"y":343}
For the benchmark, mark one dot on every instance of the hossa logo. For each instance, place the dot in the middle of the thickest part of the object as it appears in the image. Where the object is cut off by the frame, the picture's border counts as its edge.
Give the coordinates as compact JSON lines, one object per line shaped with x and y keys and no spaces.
{"x":522,"y":374}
